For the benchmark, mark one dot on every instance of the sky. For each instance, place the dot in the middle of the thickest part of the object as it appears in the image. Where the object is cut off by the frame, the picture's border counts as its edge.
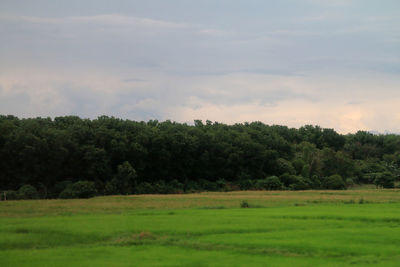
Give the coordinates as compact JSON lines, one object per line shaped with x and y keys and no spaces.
{"x":332,"y":63}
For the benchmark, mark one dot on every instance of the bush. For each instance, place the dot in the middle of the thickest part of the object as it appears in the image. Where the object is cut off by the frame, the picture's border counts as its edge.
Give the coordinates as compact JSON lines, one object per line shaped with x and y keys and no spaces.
{"x":288,"y":179}
{"x":261,"y":184}
{"x":144,"y":188}
{"x":126,"y":179}
{"x":176,"y":186}
{"x":385,"y":180}
{"x":207,"y":185}
{"x":111,"y":187}
{"x":245,"y":184}
{"x":80,"y":189}
{"x":9,"y":195}
{"x":333,"y":182}
{"x":172,"y":187}
{"x":27,"y":192}
{"x":59,"y":187}
{"x":349,"y":182}
{"x":300,"y":183}
{"x":273,"y":183}
{"x":244,"y":204}
{"x":284,"y":166}
{"x":221,"y":185}
{"x":269,"y":183}
{"x":191,"y":186}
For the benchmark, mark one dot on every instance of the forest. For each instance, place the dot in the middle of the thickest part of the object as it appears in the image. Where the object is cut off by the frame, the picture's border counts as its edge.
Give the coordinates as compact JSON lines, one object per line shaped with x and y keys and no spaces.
{"x":71,"y":157}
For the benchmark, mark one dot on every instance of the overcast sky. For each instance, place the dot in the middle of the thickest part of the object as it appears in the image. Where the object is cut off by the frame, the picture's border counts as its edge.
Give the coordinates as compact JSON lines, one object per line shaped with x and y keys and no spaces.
{"x":334,"y":63}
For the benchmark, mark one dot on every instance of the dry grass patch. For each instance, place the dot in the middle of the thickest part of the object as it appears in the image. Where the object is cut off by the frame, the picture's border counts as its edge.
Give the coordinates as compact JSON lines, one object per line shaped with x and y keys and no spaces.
{"x":118,"y":204}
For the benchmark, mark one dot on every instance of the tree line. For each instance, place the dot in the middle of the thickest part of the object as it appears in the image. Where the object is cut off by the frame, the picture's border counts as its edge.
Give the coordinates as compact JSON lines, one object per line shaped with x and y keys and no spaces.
{"x":71,"y":157}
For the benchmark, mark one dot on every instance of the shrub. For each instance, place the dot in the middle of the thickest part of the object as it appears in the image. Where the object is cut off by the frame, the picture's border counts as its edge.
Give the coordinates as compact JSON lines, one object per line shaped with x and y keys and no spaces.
{"x":144,"y":188}
{"x":300,"y":183}
{"x":244,"y":204}
{"x":349,"y":182}
{"x":27,"y":192}
{"x":59,"y":187}
{"x":273,"y":183}
{"x":126,"y":179}
{"x":162,"y":187}
{"x":67,"y":193}
{"x":334,"y":182}
{"x":284,"y":166}
{"x":221,"y":185}
{"x":288,"y":179}
{"x":111,"y":187}
{"x":269,"y":183}
{"x":261,"y":184}
{"x":207,"y":185}
{"x":176,"y":186}
{"x":191,"y":186}
{"x":245,"y":184}
{"x":9,"y":195}
{"x":385,"y":180}
{"x":80,"y":189}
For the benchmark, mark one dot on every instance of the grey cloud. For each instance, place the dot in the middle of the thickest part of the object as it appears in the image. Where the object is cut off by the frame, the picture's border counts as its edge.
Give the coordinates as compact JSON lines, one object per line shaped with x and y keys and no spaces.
{"x":132,"y":60}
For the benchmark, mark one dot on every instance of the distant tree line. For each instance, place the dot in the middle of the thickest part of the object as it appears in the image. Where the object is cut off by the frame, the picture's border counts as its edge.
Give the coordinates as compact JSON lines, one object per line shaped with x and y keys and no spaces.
{"x":70,"y":157}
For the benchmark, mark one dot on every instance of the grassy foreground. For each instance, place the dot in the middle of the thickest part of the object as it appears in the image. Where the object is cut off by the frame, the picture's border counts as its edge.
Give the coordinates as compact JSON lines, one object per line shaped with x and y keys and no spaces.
{"x":310,"y":228}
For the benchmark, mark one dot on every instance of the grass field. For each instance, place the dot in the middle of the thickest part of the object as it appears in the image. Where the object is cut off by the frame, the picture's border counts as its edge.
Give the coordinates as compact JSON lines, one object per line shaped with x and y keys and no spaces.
{"x":309,"y":228}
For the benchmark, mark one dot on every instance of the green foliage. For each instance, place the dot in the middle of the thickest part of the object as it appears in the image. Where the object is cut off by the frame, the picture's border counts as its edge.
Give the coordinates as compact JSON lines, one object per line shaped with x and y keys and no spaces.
{"x":273,"y":183}
{"x":144,"y":188}
{"x":349,"y":182}
{"x":244,"y":204}
{"x":300,"y":183}
{"x":125,"y":180}
{"x":269,"y":183}
{"x":284,"y":166}
{"x":59,"y":187}
{"x":333,"y":182}
{"x":9,"y":195}
{"x":80,"y":189}
{"x":168,"y":157}
{"x":27,"y":192}
{"x":246,"y":184}
{"x":385,"y":180}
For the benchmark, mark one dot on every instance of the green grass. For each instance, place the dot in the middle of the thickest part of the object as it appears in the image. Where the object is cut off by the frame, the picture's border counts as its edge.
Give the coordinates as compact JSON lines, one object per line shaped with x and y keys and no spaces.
{"x":310,"y":228}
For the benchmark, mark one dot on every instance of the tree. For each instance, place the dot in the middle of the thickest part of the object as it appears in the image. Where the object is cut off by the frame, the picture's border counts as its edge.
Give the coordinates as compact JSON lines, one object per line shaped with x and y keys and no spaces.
{"x":125,"y":180}
{"x":335,"y":182}
{"x":273,"y":183}
{"x":269,"y":183}
{"x":28,"y":192}
{"x":80,"y":189}
{"x":385,"y":180}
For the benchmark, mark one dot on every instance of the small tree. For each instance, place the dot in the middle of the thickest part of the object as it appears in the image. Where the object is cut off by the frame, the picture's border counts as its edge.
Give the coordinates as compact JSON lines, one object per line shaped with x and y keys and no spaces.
{"x":273,"y":183}
{"x":335,"y":182}
{"x":80,"y":189}
{"x":300,"y":183}
{"x":269,"y":183}
{"x":385,"y":180}
{"x":125,"y":180}
{"x":9,"y":195}
{"x":28,"y":192}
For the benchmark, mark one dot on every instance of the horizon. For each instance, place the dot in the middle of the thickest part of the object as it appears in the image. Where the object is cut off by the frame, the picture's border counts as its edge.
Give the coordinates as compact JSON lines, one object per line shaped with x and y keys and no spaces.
{"x":192,"y":123}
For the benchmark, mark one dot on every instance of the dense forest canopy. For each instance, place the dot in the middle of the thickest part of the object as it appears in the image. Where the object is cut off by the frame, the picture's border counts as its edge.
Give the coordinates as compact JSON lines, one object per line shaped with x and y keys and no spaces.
{"x":73,"y":157}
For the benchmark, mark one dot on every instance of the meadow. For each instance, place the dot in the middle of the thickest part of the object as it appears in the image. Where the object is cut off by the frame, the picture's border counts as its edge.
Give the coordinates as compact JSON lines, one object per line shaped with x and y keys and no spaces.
{"x":279,"y":228}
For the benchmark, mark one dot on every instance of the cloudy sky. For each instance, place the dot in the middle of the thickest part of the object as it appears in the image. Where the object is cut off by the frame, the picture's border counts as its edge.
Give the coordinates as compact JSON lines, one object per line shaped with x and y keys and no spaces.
{"x":335,"y":63}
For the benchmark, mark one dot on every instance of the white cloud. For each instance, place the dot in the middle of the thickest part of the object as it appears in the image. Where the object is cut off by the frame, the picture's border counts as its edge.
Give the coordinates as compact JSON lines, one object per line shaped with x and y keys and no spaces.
{"x":102,"y":20}
{"x":332,"y":3}
{"x":346,"y":103}
{"x":316,"y":64}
